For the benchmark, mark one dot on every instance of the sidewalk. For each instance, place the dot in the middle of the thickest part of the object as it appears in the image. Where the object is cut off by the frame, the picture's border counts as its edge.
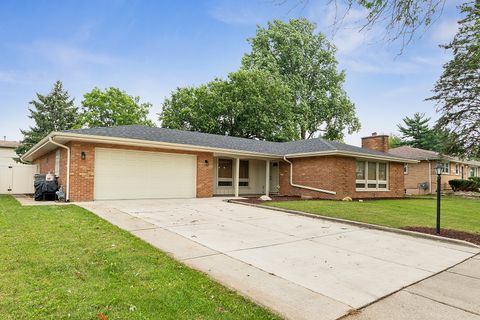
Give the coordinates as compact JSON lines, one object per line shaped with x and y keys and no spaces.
{"x":453,"y":294}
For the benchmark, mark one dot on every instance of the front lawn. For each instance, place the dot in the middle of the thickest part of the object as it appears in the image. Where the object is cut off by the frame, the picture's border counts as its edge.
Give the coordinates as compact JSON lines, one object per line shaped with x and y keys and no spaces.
{"x":59,"y":262}
{"x":456,"y":214}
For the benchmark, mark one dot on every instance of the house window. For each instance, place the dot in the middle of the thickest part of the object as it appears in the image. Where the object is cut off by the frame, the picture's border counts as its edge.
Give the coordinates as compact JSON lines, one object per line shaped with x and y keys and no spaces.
{"x":473,"y":172}
{"x":371,"y":176}
{"x":57,"y":163}
{"x":225,"y":172}
{"x":243,"y":174}
{"x":446,"y":167}
{"x":457,"y":169}
{"x":405,"y":168}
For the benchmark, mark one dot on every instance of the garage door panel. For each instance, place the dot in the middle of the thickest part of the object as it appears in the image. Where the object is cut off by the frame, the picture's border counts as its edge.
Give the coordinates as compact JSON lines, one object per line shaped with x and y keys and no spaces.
{"x":126,"y":174}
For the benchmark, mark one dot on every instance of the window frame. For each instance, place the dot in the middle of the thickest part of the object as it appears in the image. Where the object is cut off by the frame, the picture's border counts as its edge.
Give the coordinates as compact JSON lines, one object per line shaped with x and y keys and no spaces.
{"x":446,"y":165}
{"x":231,"y":180}
{"x":473,"y":172}
{"x":247,"y":179}
{"x":457,"y":169}
{"x":366,"y":181}
{"x":57,"y":163}
{"x":221,"y":179}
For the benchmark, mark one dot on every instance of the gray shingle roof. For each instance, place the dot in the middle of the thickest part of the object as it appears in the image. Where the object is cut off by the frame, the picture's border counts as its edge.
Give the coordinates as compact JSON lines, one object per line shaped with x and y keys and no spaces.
{"x":224,"y":142}
{"x":414,"y":153}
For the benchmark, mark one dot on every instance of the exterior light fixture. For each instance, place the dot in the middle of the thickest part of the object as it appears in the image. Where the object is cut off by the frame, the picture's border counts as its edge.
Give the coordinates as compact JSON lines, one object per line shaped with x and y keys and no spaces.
{"x":206,"y":163}
{"x":83,"y":155}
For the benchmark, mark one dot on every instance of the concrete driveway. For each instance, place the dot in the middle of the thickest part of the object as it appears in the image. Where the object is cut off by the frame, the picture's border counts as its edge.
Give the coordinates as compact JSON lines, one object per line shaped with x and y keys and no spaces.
{"x":300,"y":267}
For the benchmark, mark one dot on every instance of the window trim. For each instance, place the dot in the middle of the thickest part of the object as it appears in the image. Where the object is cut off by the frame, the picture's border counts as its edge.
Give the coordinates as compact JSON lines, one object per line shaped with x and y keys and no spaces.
{"x":219,"y":179}
{"x":232,"y":179}
{"x":447,"y":166}
{"x":457,"y":169}
{"x":57,"y":163}
{"x":377,"y":181}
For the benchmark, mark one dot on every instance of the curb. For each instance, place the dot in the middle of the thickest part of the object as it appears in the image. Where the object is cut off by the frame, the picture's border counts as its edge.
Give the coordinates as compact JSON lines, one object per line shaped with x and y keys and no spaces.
{"x":363,"y":225}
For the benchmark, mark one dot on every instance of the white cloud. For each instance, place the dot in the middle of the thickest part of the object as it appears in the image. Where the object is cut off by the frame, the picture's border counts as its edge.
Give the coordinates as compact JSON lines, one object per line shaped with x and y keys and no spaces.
{"x":66,"y":54}
{"x":444,"y":31}
{"x":238,"y":12}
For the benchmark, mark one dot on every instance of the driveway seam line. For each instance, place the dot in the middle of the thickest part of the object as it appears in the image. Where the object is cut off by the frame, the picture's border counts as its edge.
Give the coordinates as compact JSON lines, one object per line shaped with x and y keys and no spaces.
{"x":364,"y":225}
{"x":405,"y":288}
{"x":464,"y":275}
{"x":441,"y":302}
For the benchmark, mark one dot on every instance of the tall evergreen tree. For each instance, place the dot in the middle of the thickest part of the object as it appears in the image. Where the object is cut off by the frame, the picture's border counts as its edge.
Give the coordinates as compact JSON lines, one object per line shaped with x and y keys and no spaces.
{"x":457,"y":92}
{"x":52,"y":112}
{"x":417,"y":133}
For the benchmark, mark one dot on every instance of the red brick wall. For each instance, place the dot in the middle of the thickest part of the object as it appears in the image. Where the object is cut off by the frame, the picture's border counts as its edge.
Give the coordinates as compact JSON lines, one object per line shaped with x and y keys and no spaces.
{"x":46,"y":164}
{"x":337,"y":174}
{"x":376,"y":142}
{"x":82,"y":171}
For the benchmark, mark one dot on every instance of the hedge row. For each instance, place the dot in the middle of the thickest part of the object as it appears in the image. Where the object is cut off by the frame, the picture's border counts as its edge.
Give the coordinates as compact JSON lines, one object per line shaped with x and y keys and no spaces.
{"x":472,"y":184}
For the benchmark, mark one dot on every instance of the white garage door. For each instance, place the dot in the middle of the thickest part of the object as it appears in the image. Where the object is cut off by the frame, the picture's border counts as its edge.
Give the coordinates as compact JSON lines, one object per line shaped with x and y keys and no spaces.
{"x":125,"y":174}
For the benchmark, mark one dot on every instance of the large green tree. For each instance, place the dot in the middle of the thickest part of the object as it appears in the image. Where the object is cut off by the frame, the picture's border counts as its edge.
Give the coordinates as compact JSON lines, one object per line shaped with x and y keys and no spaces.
{"x":52,"y":112}
{"x":416,"y":132}
{"x":457,"y":92}
{"x":400,"y":19}
{"x":250,"y":104}
{"x":305,"y":62}
{"x":112,"y":107}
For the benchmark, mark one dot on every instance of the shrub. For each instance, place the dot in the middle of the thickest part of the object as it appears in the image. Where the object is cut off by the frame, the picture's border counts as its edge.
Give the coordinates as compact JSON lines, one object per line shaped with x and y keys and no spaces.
{"x":476,"y":180}
{"x":464,"y":185}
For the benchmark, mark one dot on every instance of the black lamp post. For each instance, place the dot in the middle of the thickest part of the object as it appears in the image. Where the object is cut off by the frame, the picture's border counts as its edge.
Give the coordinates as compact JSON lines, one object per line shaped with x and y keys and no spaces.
{"x":438,"y":171}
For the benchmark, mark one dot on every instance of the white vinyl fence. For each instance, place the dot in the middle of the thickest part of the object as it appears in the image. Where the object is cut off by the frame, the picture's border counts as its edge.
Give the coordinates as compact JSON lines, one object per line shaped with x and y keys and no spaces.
{"x":17,"y":178}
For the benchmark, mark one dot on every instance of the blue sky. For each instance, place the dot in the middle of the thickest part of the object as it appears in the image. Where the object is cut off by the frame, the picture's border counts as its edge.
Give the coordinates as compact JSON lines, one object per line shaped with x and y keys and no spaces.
{"x":148,"y":48}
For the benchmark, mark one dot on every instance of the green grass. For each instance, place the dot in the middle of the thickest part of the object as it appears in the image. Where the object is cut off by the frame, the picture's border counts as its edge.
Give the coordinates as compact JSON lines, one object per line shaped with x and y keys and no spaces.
{"x":456,"y":213}
{"x":59,"y":262}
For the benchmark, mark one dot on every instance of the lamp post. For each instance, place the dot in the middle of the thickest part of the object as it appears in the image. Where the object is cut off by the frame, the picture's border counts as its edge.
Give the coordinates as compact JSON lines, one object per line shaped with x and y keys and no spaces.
{"x":438,"y":171}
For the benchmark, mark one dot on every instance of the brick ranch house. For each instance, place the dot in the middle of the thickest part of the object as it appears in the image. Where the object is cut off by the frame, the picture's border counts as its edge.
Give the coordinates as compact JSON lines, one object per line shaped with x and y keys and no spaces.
{"x":420,"y":178}
{"x":139,"y":162}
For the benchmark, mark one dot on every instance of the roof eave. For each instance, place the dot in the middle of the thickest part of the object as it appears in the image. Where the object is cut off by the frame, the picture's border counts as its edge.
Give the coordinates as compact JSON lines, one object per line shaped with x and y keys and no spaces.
{"x":351,"y":154}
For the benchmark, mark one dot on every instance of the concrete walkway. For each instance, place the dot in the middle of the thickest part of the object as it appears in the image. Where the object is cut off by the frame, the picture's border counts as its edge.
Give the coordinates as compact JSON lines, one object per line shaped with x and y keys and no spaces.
{"x":300,"y":267}
{"x":453,"y":294}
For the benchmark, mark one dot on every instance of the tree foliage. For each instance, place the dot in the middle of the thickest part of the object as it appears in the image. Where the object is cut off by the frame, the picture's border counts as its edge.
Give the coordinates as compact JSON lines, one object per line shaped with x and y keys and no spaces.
{"x":305,"y":62}
{"x":457,"y":92}
{"x":55,"y":111}
{"x":416,"y":132}
{"x":403,"y":19}
{"x":112,"y":107}
{"x":250,"y":104}
{"x":395,"y":141}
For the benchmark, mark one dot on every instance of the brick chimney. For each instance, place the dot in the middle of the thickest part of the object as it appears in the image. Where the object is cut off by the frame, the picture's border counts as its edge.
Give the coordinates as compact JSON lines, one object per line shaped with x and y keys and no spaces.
{"x":376,"y":142}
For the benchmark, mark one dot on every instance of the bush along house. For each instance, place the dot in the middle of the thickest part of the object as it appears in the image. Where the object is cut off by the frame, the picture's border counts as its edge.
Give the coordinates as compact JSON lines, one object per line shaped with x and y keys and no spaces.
{"x":139,"y":162}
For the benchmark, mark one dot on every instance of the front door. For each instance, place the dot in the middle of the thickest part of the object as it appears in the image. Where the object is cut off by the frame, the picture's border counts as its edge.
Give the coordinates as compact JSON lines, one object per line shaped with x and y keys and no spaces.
{"x":274,"y":176}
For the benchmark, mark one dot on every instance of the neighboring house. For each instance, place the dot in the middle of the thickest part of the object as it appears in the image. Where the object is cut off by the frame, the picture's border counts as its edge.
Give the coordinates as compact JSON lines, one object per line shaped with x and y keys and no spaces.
{"x":139,"y":162}
{"x":14,"y":177}
{"x":421,"y":177}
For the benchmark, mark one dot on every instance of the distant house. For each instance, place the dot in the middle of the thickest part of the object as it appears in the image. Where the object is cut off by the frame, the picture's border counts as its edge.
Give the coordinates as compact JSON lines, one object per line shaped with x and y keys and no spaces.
{"x":139,"y":162}
{"x":7,"y":152}
{"x":14,"y":177}
{"x":420,"y":177}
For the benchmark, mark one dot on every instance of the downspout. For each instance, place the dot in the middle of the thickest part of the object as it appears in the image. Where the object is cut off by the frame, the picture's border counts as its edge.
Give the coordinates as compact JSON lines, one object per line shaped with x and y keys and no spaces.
{"x":304,"y":187}
{"x":67,"y":181}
